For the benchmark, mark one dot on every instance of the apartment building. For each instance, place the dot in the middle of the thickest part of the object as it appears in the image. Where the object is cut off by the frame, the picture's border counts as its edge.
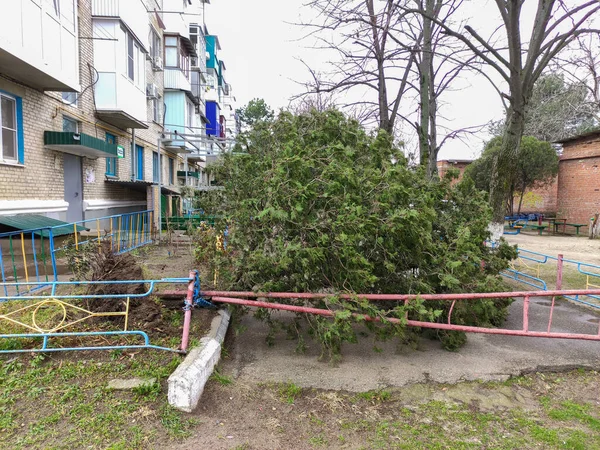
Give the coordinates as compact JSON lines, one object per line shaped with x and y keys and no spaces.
{"x":101,"y":103}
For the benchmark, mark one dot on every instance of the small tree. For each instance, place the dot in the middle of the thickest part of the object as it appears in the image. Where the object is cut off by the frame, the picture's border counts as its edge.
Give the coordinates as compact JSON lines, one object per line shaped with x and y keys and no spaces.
{"x":256,"y":109}
{"x":537,"y":166}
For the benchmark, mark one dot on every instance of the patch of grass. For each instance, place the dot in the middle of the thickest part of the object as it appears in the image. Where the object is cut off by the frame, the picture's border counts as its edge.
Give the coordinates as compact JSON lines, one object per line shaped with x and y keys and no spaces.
{"x":147,"y":391}
{"x":175,"y":425}
{"x":574,"y":411}
{"x":289,"y":392}
{"x":374,"y":396}
{"x":224,"y":380}
{"x":318,"y":441}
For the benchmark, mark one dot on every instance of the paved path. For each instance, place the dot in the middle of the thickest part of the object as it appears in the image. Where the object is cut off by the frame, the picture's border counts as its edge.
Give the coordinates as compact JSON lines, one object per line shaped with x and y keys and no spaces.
{"x":485,"y":357}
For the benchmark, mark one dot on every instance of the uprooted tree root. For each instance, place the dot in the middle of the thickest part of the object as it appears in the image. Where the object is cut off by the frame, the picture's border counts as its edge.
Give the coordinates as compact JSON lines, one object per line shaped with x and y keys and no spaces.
{"x":144,"y":312}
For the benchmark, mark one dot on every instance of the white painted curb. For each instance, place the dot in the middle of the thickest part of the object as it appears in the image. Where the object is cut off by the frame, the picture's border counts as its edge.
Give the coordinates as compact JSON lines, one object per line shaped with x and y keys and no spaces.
{"x":187,"y":382}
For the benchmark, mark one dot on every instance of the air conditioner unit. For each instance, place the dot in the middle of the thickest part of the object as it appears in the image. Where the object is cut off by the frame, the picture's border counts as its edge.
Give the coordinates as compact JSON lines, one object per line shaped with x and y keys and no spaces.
{"x":151,"y":91}
{"x":157,"y":64}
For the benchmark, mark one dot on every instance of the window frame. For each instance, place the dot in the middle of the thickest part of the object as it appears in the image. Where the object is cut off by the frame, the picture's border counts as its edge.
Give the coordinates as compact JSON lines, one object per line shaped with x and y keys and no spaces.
{"x":155,"y":109}
{"x":68,"y":118}
{"x":131,"y":63}
{"x":139,"y":163}
{"x":155,"y":44}
{"x":171,"y":46}
{"x":171,"y":171}
{"x":155,"y":171}
{"x":111,"y":163}
{"x":15,"y":130}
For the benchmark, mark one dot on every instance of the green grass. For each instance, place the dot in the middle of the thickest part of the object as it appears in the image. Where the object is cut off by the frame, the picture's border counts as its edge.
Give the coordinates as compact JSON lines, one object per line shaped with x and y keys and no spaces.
{"x":223,"y":380}
{"x":48,"y":402}
{"x":289,"y":392}
{"x":374,"y":396}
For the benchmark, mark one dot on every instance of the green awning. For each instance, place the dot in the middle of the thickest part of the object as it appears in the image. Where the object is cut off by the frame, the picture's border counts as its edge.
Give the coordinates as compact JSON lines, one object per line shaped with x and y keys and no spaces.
{"x":79,"y":144}
{"x":29,"y":222}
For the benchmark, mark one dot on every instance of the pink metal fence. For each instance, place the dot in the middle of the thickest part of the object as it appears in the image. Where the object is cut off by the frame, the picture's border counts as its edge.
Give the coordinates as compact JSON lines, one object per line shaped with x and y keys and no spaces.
{"x":258,"y":300}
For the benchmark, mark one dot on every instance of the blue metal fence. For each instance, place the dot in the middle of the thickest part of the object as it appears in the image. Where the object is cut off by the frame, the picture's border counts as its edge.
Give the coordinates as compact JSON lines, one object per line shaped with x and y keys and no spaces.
{"x":69,"y":310}
{"x":28,"y":256}
{"x":527,"y":269}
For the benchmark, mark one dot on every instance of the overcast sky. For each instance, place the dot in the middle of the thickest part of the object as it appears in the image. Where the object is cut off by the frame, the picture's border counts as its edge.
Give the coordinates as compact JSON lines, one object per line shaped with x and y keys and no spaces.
{"x":261,"y":52}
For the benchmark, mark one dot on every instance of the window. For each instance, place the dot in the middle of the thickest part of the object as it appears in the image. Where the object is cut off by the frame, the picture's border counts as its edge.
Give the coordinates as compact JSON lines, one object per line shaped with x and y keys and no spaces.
{"x":156,"y":109}
{"x":185,"y":63}
{"x":9,"y":135}
{"x":111,"y":163}
{"x":154,"y":39}
{"x":190,"y":114}
{"x":130,"y":57}
{"x":171,"y":52}
{"x":171,"y":171}
{"x":139,"y":162}
{"x":155,"y":167}
{"x":70,"y":125}
{"x":70,"y":98}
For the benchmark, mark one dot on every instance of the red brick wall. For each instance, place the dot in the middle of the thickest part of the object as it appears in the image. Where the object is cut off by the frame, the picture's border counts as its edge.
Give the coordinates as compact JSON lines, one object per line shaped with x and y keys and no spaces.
{"x":540,"y":200}
{"x":444,"y":166}
{"x":579,"y":180}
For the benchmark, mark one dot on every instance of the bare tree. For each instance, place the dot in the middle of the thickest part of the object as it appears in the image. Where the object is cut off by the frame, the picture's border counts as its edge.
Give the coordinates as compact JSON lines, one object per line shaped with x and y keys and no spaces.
{"x":520,"y":62}
{"x":367,"y":60}
{"x":582,"y":67}
{"x":403,"y":57}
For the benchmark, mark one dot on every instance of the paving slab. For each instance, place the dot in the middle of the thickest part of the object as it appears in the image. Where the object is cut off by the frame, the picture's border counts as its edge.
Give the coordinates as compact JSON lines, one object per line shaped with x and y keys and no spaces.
{"x":370,"y":365}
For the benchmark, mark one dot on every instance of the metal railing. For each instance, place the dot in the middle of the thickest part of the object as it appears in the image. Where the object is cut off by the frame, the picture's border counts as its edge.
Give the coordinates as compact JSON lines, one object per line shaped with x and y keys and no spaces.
{"x":534,"y":268}
{"x":31,"y":320}
{"x":29,"y":258}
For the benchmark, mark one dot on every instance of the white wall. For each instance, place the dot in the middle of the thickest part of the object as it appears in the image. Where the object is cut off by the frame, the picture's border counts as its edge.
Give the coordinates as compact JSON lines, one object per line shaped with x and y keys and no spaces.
{"x":32,"y":31}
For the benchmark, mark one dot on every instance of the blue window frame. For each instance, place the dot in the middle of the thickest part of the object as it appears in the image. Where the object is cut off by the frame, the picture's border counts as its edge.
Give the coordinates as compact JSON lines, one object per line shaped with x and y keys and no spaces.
{"x":111,"y":163}
{"x":139,"y":161}
{"x":155,"y":167}
{"x":12,"y":147}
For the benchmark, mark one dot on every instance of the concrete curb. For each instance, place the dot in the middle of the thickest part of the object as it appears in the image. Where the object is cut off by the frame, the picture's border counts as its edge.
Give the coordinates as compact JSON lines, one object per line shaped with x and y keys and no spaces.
{"x":187,"y":382}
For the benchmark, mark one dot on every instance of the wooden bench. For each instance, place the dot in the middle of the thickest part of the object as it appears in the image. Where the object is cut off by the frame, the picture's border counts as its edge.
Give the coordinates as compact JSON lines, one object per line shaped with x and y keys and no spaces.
{"x":540,"y":228}
{"x":576,"y":225}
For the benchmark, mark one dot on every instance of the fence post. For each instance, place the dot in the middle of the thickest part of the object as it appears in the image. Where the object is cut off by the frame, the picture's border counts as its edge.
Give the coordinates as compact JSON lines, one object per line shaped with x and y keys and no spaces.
{"x":559,"y":272}
{"x":187,"y":319}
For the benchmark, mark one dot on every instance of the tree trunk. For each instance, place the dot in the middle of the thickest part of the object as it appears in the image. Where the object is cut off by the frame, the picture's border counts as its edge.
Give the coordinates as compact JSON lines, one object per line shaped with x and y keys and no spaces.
{"x":503,"y":169}
{"x":521,"y":199}
{"x":424,"y":88}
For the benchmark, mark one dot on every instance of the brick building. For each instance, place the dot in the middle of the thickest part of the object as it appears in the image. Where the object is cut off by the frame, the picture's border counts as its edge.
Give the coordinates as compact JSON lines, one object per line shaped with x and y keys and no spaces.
{"x":446,"y":164}
{"x":579,"y":178}
{"x":82,"y":112}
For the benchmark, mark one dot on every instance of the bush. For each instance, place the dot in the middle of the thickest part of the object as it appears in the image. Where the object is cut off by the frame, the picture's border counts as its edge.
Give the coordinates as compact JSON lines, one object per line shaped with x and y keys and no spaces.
{"x":319,"y":205}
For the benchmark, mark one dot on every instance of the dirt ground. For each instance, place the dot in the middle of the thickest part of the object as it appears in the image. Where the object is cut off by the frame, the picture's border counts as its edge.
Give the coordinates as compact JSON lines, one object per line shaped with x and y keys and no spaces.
{"x":542,"y":411}
{"x":572,"y":247}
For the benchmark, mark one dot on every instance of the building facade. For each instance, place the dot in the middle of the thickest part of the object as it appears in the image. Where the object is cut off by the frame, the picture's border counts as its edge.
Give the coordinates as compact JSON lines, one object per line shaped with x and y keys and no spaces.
{"x":101,"y":105}
{"x":579,"y":178}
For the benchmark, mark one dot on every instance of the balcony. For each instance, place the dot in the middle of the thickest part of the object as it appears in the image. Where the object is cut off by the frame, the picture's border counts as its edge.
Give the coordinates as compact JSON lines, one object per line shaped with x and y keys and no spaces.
{"x":175,"y":79}
{"x":120,"y":102}
{"x":132,"y":14}
{"x":188,"y":174}
{"x":40,"y":48}
{"x":80,"y":144}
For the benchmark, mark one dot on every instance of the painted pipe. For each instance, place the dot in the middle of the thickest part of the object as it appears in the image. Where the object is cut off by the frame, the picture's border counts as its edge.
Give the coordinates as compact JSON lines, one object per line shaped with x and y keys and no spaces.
{"x":412,"y":323}
{"x":385,"y":297}
{"x":187,"y":318}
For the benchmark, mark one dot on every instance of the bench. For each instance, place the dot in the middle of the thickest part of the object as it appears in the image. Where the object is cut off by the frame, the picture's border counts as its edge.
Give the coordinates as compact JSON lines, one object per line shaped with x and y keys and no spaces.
{"x":540,"y":228}
{"x":576,"y":225}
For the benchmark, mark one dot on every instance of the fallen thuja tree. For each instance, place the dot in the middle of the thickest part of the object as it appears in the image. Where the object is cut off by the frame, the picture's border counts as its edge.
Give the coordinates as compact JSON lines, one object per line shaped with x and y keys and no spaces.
{"x":319,"y":205}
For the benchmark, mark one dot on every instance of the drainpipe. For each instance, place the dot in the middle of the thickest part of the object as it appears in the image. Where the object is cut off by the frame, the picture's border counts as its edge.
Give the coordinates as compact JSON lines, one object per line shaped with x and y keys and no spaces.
{"x":159,"y":182}
{"x":133,"y":165}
